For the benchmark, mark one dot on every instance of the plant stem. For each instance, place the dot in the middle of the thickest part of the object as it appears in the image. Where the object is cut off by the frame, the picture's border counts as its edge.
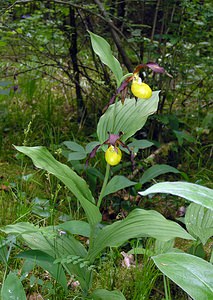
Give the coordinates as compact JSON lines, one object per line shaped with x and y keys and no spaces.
{"x":104,"y":185}
{"x":166,"y":288}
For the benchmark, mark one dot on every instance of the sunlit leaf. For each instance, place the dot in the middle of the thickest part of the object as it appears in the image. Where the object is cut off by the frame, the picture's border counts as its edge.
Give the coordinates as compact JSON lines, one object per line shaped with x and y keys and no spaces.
{"x":103,"y":50}
{"x":199,"y":222}
{"x":43,"y":159}
{"x":139,"y":223}
{"x":190,"y":191}
{"x":193,"y":274}
{"x":19,"y":228}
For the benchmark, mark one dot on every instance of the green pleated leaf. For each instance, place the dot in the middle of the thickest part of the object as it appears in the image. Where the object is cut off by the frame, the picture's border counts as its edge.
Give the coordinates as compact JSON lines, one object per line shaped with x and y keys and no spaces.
{"x":156,"y":171}
{"x":45,"y":239}
{"x":102,"y":294}
{"x":193,"y":274}
{"x":199,"y":222}
{"x":139,"y":223}
{"x":54,"y":242}
{"x":12,"y":288}
{"x":117,"y":183}
{"x":43,"y":159}
{"x":45,"y":261}
{"x":128,"y":117}
{"x":140,"y":144}
{"x":190,"y":191}
{"x":31,"y":235}
{"x":103,"y":50}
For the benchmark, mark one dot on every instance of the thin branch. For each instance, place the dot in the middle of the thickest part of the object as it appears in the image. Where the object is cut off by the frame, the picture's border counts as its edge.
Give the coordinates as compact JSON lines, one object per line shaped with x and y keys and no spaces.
{"x":115,"y":36}
{"x":155,"y":20}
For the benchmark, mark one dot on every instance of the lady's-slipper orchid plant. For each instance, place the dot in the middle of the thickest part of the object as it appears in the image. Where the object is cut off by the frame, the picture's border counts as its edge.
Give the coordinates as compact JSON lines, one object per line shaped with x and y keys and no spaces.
{"x":139,"y":89}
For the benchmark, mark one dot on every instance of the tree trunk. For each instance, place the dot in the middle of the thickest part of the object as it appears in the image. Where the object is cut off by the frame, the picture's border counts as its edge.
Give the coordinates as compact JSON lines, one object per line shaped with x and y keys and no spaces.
{"x":73,"y":50}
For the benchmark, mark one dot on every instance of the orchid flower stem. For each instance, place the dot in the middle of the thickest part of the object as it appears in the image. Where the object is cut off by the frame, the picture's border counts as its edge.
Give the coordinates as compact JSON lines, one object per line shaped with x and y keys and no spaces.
{"x":104,"y":185}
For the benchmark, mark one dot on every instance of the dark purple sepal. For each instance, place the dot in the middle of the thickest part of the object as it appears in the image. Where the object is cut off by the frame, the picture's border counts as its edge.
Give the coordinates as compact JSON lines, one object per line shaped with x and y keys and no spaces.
{"x":122,"y":87}
{"x":113,"y":138}
{"x":92,"y":154}
{"x":155,"y":67}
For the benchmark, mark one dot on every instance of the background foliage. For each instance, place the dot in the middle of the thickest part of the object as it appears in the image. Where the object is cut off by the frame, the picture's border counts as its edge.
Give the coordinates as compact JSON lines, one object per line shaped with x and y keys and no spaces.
{"x":53,"y":88}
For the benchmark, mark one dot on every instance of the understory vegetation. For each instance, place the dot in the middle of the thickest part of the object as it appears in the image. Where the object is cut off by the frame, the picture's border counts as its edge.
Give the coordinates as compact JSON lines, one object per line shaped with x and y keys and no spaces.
{"x":106,"y":182}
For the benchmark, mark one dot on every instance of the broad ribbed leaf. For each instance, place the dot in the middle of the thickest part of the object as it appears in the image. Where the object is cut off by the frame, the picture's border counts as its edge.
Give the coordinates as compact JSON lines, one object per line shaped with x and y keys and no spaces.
{"x":102,"y":294}
{"x":139,"y":223}
{"x":4,"y":249}
{"x":12,"y":288}
{"x":155,"y":171}
{"x":193,"y":274}
{"x":103,"y":50}
{"x":190,"y":191}
{"x":199,"y":222}
{"x":53,"y":242}
{"x":19,"y":228}
{"x":45,"y":261}
{"x":46,"y":239}
{"x":117,"y":183}
{"x":43,"y":159}
{"x":31,"y":235}
{"x":128,"y":117}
